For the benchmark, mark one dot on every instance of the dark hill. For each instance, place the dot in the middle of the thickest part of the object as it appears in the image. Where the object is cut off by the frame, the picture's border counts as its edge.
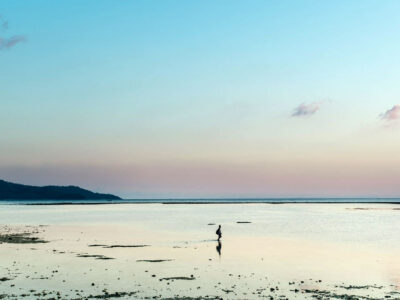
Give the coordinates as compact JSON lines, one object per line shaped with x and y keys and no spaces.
{"x":14,"y":191}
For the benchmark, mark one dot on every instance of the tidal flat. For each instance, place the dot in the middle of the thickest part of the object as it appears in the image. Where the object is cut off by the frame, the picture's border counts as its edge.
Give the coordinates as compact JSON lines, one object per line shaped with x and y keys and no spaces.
{"x":156,"y":251}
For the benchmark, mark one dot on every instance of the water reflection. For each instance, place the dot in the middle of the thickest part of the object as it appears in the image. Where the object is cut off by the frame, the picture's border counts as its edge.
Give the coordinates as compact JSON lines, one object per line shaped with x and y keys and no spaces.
{"x":219,"y":247}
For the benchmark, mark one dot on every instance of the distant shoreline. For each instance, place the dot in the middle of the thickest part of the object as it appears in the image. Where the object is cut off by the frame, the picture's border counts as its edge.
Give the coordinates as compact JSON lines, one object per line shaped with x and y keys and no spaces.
{"x":207,"y":201}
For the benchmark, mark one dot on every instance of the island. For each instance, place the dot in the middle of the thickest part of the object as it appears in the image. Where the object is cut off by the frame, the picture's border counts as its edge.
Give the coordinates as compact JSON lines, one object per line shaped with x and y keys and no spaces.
{"x":14,"y":191}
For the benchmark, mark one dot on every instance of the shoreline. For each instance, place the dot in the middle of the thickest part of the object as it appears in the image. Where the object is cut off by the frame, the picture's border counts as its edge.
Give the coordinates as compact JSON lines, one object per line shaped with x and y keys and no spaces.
{"x":78,"y":202}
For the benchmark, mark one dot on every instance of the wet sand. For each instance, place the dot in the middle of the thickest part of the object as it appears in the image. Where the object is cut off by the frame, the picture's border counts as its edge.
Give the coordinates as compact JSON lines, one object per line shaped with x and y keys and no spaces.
{"x":155,"y":251}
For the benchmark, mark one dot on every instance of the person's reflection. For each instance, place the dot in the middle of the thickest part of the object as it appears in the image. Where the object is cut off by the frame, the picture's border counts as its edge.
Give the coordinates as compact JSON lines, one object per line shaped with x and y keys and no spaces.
{"x":219,"y":247}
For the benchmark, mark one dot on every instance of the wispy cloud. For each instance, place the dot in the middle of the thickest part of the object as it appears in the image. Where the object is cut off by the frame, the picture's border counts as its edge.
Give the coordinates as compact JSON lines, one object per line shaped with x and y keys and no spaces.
{"x":3,"y":23}
{"x":6,"y":43}
{"x":391,"y":114}
{"x":9,"y":42}
{"x":305,"y":109}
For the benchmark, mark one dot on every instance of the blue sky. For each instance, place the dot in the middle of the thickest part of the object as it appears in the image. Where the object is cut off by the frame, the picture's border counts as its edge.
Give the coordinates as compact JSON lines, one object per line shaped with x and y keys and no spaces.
{"x":195,"y":98}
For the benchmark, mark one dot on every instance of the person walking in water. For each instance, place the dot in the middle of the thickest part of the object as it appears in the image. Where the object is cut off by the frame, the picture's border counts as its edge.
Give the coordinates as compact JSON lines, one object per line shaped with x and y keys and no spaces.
{"x":219,"y":232}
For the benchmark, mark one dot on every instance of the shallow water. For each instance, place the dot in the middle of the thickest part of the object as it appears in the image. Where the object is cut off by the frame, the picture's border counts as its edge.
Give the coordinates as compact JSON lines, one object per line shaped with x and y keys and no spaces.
{"x":324,"y":245}
{"x":207,"y":201}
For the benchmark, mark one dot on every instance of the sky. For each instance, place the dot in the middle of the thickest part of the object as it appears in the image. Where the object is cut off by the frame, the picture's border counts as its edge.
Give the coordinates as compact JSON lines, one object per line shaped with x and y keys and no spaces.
{"x":165,"y":99}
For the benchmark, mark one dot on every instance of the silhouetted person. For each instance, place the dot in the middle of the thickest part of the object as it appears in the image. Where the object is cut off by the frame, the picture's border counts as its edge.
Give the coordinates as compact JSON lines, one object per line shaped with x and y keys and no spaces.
{"x":219,"y":247}
{"x":219,"y":232}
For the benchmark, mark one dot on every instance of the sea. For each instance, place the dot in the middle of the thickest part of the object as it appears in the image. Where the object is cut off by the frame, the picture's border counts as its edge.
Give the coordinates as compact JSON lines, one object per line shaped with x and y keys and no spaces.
{"x":206,"y":201}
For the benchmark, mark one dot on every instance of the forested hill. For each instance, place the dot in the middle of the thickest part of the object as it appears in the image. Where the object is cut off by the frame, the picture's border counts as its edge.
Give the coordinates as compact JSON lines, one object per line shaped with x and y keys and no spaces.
{"x":14,"y":191}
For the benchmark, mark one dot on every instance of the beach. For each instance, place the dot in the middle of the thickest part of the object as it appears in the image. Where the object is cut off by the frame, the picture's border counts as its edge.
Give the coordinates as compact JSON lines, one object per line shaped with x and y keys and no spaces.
{"x":170,"y":251}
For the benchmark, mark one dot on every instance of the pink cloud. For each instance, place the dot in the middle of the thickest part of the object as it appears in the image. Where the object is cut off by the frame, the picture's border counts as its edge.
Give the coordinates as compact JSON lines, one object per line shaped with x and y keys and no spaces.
{"x":305,"y":109}
{"x":391,"y":114}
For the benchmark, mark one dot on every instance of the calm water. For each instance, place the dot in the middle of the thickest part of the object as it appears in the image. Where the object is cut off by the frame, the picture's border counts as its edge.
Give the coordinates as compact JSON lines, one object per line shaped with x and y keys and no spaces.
{"x":343,"y":243}
{"x":209,"y":201}
{"x":352,"y":223}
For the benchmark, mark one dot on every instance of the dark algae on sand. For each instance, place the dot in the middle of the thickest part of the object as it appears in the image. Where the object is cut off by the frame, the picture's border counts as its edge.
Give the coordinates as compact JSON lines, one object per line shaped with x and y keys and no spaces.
{"x":25,"y":237}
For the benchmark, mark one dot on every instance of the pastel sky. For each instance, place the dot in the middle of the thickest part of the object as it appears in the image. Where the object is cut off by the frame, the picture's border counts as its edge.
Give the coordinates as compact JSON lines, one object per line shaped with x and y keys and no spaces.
{"x":202,"y":98}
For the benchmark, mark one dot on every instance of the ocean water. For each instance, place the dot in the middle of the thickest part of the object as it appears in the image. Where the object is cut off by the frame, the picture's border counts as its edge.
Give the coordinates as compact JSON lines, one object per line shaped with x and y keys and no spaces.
{"x":207,"y":201}
{"x":352,"y":223}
